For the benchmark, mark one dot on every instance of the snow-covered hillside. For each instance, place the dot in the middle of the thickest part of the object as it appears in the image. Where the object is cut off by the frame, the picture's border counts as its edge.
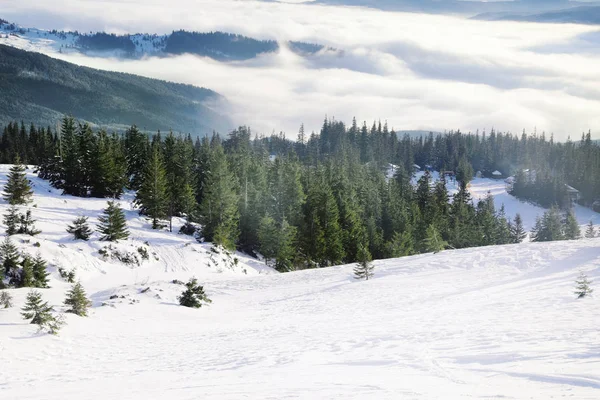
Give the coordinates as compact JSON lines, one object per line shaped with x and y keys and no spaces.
{"x":494,"y":322}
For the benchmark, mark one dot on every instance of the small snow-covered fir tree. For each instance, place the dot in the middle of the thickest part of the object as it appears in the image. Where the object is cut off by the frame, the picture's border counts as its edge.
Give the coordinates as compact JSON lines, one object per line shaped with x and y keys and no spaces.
{"x":113,"y":225}
{"x":571,"y":229}
{"x":433,"y":242}
{"x":17,"y":190}
{"x":11,"y":220}
{"x":590,"y":231}
{"x":6,"y":299}
{"x":582,"y":286}
{"x":77,"y":300}
{"x":10,"y":258}
{"x":40,"y":313}
{"x":27,"y":225}
{"x":80,"y":229}
{"x":194,"y":295}
{"x":517,"y":231}
{"x":364,"y":268}
{"x":40,"y":274}
{"x":26,"y":278}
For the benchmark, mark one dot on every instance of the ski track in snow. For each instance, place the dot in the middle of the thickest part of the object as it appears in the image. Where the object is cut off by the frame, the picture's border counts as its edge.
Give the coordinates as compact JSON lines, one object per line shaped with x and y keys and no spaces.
{"x":496,"y":322}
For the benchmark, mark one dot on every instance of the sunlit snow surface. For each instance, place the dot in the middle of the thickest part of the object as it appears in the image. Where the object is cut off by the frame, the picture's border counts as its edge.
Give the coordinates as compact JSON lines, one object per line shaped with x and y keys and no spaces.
{"x":487,"y":323}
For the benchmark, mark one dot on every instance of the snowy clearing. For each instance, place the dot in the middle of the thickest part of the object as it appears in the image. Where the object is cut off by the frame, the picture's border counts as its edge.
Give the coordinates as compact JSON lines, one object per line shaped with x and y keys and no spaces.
{"x":493,"y":322}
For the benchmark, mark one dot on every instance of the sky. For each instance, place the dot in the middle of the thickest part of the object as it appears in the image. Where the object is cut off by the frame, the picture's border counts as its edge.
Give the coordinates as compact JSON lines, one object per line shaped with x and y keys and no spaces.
{"x":415,"y":71}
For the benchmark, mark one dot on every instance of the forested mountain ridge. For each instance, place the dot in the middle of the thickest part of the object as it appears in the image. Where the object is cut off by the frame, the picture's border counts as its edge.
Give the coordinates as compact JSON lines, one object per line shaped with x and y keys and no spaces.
{"x":589,"y":15}
{"x":220,"y":46}
{"x":39,"y":89}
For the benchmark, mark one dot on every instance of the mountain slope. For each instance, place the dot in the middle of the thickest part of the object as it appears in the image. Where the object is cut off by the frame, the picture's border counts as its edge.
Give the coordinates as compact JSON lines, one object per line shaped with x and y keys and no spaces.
{"x":39,"y":89}
{"x":491,"y":322}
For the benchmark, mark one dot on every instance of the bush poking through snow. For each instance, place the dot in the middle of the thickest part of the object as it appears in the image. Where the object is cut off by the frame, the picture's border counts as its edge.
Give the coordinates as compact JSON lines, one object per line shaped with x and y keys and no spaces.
{"x":68,"y":276}
{"x":6,"y":299}
{"x":144,"y":253}
{"x":194,"y":295}
{"x":582,"y":286}
{"x":126,"y":257}
{"x":40,"y":313}
{"x":80,"y":229}
{"x":77,"y":300}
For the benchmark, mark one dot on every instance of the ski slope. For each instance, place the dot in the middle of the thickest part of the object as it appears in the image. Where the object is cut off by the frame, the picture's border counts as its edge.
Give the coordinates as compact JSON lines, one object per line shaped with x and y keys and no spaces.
{"x":495,"y":322}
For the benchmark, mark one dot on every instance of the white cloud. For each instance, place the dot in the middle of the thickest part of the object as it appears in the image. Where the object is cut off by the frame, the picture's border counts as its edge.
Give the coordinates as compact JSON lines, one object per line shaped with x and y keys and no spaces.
{"x":415,"y":71}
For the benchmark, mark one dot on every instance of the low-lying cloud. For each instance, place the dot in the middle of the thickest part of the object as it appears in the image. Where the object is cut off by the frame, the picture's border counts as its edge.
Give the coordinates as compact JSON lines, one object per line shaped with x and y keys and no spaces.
{"x":415,"y":71}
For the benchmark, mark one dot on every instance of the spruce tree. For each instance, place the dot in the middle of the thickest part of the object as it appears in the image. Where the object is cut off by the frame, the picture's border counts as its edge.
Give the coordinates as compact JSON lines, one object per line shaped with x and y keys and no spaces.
{"x":6,"y":299}
{"x":517,"y":231}
{"x":151,"y":197}
{"x":220,"y":202}
{"x":17,"y":190}
{"x":10,"y":258}
{"x":582,"y":286}
{"x":434,"y":243}
{"x":27,"y":224}
{"x":590,"y":231}
{"x":113,"y":225}
{"x":77,"y":300}
{"x":26,"y":278}
{"x":194,"y":295}
{"x":38,"y":311}
{"x":11,"y":220}
{"x":40,"y":274}
{"x":80,"y":229}
{"x":364,"y":268}
{"x":571,"y":229}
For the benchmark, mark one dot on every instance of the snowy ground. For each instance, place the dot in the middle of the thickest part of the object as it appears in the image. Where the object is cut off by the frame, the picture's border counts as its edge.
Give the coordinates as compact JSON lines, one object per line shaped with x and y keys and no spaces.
{"x":495,"y":322}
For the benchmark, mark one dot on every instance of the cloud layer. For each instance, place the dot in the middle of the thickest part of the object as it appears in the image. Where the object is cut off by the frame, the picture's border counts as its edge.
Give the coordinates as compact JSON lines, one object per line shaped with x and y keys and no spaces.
{"x":415,"y":71}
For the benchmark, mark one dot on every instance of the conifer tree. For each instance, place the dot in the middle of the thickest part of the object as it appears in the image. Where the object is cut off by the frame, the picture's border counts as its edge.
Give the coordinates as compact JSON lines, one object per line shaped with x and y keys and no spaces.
{"x":571,"y":230}
{"x":27,"y":224}
{"x":582,"y":286}
{"x":11,"y":220}
{"x":40,"y":274}
{"x":434,"y":243}
{"x":113,"y":225}
{"x":364,"y":268}
{"x":152,"y":196}
{"x":517,"y":231}
{"x":9,"y":255}
{"x":219,"y":206}
{"x":77,"y":300}
{"x":590,"y":231}
{"x":80,"y":229}
{"x":26,"y":278}
{"x":38,"y":311}
{"x":17,"y":190}
{"x":194,"y":295}
{"x":6,"y":299}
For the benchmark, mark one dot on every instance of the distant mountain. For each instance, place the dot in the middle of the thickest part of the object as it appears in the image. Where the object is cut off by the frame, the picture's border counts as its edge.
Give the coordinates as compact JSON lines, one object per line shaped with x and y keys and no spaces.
{"x":576,"y":15}
{"x":217,"y":45}
{"x":39,"y":89}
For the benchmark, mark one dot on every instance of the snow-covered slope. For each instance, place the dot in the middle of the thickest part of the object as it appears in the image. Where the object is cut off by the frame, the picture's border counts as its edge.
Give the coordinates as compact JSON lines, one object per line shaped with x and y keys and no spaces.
{"x":494,"y":322}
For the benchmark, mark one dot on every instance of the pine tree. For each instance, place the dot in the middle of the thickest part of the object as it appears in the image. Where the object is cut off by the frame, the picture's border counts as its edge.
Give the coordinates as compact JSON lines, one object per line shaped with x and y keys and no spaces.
{"x":40,"y":274}
{"x":35,"y":309}
{"x":17,"y":190}
{"x":152,"y":196}
{"x":26,"y":274}
{"x":77,"y":300}
{"x":27,"y":225}
{"x":10,"y":258}
{"x":113,"y":225}
{"x":582,"y":286}
{"x":364,"y":268}
{"x":434,"y":243}
{"x":571,"y":229}
{"x":194,"y":295}
{"x":219,"y":206}
{"x":80,"y":229}
{"x":590,"y":231}
{"x":517,"y":231}
{"x":6,"y":299}
{"x":11,"y":220}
